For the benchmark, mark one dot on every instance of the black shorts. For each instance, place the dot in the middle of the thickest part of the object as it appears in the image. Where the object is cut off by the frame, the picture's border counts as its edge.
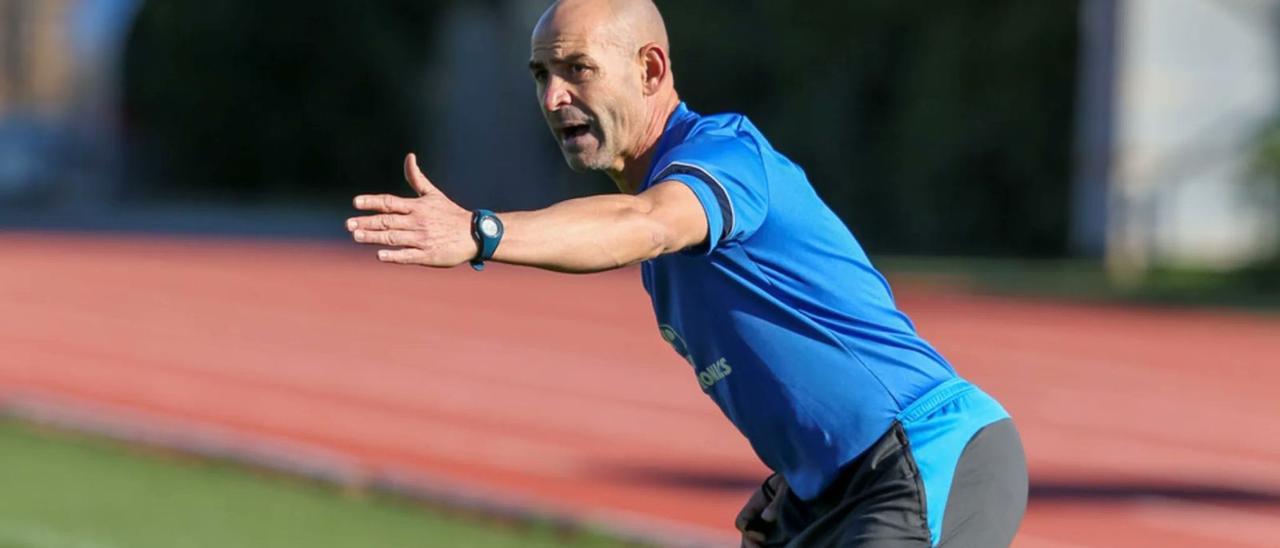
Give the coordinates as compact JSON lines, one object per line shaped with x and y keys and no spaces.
{"x":879,"y":500}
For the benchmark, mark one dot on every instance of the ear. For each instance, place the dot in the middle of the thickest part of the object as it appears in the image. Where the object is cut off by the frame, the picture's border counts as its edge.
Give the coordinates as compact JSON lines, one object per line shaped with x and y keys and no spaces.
{"x":656,"y":66}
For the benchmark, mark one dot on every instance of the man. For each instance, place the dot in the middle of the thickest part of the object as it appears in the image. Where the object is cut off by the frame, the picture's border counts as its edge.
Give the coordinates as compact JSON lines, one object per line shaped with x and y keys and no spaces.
{"x":874,"y":439}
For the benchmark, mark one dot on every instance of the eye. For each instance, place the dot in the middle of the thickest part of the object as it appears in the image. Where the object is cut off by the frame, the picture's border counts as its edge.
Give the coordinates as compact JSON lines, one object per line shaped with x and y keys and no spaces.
{"x":579,"y":69}
{"x":540,"y":76}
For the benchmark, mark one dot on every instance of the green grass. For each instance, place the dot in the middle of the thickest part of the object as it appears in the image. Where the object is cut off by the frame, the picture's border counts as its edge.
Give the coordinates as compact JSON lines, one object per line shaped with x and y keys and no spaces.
{"x":1256,"y":289}
{"x":59,"y":490}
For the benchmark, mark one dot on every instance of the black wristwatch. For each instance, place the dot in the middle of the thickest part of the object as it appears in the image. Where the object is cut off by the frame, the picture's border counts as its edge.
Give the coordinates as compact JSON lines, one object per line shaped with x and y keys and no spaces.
{"x":487,"y":230}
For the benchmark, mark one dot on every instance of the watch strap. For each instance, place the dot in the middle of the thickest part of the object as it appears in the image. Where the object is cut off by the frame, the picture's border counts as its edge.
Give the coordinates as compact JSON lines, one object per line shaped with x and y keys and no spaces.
{"x":485,"y":245}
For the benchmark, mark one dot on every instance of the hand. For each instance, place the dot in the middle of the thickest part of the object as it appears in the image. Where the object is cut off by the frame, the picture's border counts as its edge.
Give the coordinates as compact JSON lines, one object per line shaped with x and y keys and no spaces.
{"x":761,"y":509}
{"x":429,"y":230}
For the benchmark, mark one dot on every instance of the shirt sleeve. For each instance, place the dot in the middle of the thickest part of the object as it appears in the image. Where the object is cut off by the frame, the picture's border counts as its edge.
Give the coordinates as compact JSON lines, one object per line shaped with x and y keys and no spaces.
{"x":727,"y":175}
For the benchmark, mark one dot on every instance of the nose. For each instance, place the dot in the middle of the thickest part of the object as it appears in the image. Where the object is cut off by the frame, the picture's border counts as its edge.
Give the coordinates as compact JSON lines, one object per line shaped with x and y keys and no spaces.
{"x":556,"y":95}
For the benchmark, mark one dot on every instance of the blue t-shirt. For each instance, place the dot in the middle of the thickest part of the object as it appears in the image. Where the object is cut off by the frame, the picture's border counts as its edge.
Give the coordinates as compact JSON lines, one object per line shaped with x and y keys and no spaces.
{"x":787,"y":325}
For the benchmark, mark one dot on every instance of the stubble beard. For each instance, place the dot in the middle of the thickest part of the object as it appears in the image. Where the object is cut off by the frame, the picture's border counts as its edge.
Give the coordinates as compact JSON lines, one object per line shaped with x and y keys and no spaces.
{"x":599,"y":159}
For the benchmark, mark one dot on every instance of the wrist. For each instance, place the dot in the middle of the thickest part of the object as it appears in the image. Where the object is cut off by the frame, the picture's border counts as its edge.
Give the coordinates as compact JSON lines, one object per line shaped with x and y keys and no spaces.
{"x":486,"y":234}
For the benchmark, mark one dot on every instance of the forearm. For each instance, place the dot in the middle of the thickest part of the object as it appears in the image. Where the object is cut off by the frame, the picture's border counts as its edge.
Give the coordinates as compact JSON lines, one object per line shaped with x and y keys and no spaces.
{"x":584,"y":235}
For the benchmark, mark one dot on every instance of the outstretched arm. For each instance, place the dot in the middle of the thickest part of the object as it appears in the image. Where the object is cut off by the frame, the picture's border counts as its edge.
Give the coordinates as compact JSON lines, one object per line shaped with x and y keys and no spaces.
{"x":581,"y":235}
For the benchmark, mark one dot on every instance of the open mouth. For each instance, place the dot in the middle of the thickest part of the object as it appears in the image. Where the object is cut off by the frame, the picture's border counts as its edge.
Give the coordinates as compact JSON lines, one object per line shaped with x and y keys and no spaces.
{"x":573,"y":131}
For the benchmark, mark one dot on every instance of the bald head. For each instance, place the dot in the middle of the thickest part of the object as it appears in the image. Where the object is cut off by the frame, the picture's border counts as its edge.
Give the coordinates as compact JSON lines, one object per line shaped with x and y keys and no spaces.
{"x":604,"y":80}
{"x":628,"y":24}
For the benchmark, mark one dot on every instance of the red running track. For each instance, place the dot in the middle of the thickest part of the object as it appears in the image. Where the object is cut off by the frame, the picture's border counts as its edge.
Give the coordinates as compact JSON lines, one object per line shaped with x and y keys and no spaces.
{"x":1144,"y":427}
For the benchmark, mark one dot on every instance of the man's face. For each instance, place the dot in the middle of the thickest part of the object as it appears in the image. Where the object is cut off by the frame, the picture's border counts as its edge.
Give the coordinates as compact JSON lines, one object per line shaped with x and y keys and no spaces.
{"x":590,"y":93}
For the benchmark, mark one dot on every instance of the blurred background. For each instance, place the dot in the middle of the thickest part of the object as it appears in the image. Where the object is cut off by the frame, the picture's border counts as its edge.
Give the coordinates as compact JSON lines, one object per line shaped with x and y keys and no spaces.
{"x":1097,"y":179}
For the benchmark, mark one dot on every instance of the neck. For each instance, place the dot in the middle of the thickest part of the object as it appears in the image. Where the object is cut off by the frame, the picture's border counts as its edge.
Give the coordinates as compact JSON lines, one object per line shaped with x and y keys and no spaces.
{"x":635,"y":166}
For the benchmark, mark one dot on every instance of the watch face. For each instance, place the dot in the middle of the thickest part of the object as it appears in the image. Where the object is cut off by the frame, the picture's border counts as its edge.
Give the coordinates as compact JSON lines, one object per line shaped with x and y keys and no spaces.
{"x":489,"y":227}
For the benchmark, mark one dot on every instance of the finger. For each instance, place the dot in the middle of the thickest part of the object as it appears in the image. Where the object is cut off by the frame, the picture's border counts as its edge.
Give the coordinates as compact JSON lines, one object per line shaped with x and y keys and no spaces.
{"x":415,"y":177}
{"x":385,"y":203}
{"x":770,"y":512}
{"x":777,"y":482}
{"x":402,"y":256}
{"x":750,"y":510}
{"x":396,"y":238}
{"x":380,"y":222}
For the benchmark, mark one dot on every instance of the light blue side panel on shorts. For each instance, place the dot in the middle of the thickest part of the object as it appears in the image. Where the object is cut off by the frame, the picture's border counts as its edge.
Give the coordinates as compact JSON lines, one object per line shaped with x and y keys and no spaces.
{"x":938,"y":426}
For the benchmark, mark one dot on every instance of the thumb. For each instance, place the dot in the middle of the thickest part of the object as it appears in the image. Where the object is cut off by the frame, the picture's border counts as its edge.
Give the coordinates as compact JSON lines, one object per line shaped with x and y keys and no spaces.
{"x":414,"y":176}
{"x":770,"y":512}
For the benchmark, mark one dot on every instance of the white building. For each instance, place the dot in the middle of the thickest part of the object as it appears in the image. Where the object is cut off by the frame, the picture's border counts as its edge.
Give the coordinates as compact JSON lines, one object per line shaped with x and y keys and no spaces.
{"x":1174,"y":94}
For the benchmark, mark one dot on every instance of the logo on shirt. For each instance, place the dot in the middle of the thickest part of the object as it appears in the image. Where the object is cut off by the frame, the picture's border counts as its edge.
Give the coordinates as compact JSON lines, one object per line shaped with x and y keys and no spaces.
{"x":714,"y":373}
{"x":709,"y":375}
{"x":676,"y":341}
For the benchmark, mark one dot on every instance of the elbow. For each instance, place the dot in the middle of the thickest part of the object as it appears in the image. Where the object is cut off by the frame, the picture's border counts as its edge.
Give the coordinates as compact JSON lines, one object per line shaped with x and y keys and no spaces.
{"x":660,"y":242}
{"x":653,"y":238}
{"x":660,"y":239}
{"x":650,"y":242}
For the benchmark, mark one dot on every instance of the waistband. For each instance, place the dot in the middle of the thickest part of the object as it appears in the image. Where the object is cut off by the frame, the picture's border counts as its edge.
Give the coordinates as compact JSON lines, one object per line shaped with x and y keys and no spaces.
{"x":935,"y":398}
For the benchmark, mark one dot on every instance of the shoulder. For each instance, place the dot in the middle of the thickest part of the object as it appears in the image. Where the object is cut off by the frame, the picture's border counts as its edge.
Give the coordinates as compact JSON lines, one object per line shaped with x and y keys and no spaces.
{"x":720,"y":158}
{"x":714,"y":143}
